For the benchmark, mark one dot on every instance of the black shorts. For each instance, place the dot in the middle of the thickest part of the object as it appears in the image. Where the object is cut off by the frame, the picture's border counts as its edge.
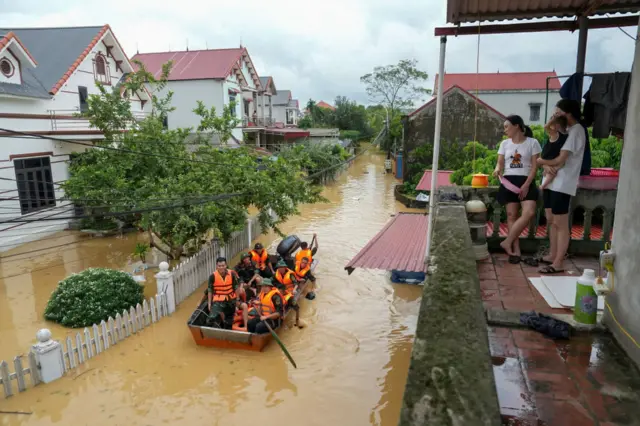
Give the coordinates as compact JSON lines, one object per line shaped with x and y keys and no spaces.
{"x":558,"y":202}
{"x":507,"y":197}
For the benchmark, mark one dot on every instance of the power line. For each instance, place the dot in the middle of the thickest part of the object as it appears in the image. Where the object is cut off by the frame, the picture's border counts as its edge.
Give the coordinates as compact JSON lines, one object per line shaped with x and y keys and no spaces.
{"x":127,"y":213}
{"x":110,"y":148}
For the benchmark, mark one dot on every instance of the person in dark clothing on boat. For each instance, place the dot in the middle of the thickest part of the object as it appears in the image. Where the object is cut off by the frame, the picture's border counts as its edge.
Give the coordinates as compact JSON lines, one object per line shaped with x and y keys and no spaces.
{"x":248,"y":271}
{"x":223,"y":290}
{"x":269,"y":307}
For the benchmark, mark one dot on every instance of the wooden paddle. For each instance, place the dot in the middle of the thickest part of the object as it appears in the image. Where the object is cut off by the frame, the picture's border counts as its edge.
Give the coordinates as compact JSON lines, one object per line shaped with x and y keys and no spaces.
{"x":277,"y":339}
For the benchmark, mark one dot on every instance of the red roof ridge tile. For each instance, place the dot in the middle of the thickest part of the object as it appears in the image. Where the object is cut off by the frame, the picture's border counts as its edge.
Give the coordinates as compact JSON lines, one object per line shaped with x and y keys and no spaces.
{"x":12,"y":36}
{"x":79,"y":60}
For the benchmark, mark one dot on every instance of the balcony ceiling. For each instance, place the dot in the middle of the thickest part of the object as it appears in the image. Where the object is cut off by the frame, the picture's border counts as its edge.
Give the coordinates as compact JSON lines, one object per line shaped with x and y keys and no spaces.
{"x":465,"y":11}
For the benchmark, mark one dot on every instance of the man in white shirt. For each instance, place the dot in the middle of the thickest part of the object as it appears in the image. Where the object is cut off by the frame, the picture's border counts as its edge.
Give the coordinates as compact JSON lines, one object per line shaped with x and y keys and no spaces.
{"x":566,"y":169}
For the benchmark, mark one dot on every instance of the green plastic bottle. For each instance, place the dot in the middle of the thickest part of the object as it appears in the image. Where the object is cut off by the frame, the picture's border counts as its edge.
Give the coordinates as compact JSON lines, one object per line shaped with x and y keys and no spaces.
{"x":586,"y":306}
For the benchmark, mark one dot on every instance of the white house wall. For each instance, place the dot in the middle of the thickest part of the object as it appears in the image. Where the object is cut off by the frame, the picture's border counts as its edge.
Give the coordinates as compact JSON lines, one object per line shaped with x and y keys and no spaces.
{"x":280,"y":113}
{"x":16,"y":77}
{"x":186,"y":94}
{"x":66,"y":101}
{"x":625,"y":299}
{"x":518,"y":103}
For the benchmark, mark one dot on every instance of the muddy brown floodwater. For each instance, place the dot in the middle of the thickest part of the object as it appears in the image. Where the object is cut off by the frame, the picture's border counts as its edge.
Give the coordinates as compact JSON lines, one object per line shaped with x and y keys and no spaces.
{"x":352,"y":358}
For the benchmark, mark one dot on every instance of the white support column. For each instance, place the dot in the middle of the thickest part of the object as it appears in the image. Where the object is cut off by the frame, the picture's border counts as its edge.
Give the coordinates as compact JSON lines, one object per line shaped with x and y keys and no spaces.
{"x":262,"y":107}
{"x":623,"y":304}
{"x":436,"y":149}
{"x":164,"y":282}
{"x":49,"y":356}
{"x":250,"y":237}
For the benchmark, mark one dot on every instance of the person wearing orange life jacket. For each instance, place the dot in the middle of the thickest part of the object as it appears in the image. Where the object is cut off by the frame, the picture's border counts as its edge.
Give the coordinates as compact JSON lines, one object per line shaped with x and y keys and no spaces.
{"x":287,"y":283}
{"x":245,"y":307}
{"x":303,"y":273}
{"x":223,"y":290}
{"x":261,"y":258}
{"x":269,"y":308}
{"x":307,"y":251}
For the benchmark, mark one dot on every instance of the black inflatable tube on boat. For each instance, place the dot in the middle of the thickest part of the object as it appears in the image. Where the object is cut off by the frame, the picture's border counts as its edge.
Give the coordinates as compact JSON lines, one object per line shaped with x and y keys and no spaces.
{"x":287,"y":246}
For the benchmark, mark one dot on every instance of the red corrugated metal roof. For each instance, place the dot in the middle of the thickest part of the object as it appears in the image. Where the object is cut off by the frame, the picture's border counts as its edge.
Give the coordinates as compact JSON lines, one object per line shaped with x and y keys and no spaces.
{"x":193,"y":64}
{"x":500,"y":81}
{"x":459,"y":11}
{"x":400,"y":245}
{"x":441,"y":180}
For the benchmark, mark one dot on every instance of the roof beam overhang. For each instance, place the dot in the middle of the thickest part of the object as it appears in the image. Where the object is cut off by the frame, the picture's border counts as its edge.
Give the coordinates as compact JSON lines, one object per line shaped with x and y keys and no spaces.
{"x":536,"y":27}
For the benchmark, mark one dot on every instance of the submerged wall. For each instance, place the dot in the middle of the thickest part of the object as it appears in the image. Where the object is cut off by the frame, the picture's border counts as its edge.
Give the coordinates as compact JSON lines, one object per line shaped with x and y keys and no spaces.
{"x":450,"y":379}
{"x":625,"y":300}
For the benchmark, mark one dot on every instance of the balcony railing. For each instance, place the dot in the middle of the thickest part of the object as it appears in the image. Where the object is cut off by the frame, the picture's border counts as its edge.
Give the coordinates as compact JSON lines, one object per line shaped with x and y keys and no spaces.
{"x":591,"y":218}
{"x":257,"y":122}
{"x":68,"y":119}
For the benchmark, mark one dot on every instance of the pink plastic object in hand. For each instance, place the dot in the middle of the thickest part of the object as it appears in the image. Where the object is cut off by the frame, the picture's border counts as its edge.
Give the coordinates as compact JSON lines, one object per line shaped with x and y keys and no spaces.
{"x":511,"y":187}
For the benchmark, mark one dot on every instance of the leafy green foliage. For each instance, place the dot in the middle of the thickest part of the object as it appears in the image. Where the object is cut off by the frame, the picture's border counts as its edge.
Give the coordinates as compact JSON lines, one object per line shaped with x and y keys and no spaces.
{"x":350,"y":134}
{"x":141,"y":251}
{"x":314,"y":158}
{"x":395,"y":87}
{"x":179,"y":165}
{"x":91,"y":296}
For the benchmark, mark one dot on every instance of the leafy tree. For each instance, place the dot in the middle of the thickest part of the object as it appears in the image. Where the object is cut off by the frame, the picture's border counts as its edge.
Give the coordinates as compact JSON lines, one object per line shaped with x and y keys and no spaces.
{"x":305,"y":122}
{"x":396,"y":87}
{"x":178,"y":164}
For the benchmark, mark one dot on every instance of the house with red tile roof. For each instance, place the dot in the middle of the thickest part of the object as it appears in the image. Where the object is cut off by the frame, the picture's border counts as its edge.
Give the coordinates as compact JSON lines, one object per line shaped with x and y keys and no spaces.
{"x":217,"y":77}
{"x":521,"y":93}
{"x":323,"y":104}
{"x":464,"y":117}
{"x":46,"y":78}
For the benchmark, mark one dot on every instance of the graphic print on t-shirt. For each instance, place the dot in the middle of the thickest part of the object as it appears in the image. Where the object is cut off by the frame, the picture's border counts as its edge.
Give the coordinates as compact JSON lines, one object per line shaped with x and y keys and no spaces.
{"x":516,"y":160}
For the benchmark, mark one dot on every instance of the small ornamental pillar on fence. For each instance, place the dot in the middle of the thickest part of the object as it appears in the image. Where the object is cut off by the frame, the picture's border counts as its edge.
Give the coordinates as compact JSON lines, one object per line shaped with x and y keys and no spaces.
{"x":477,"y":218}
{"x":164,"y":281}
{"x":49,"y":356}
{"x":249,"y":236}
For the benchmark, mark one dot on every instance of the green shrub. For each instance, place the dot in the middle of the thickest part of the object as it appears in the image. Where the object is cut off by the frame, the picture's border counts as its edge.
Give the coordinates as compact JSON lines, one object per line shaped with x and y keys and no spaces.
{"x":350,"y":134}
{"x":91,"y":296}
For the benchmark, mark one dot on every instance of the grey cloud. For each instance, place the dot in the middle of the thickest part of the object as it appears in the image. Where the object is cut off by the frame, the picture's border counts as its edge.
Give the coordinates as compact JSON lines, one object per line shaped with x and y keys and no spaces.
{"x":321,"y":53}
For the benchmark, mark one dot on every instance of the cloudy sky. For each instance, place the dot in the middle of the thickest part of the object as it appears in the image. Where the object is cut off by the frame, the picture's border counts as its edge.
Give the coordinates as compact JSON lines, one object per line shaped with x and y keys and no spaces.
{"x":320,"y":49}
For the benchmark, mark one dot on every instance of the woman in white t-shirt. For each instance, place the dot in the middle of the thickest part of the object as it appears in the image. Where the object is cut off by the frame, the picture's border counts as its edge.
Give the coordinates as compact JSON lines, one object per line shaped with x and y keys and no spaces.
{"x":517,"y":164}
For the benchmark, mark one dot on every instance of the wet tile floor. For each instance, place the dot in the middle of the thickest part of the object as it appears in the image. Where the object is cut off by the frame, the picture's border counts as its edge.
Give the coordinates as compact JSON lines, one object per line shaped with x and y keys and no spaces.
{"x":506,"y":286}
{"x":585,"y":381}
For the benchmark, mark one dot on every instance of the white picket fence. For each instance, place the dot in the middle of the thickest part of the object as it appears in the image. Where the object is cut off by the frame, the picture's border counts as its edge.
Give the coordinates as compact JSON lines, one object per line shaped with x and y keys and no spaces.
{"x":6,"y":376}
{"x":89,"y":343}
{"x":190,"y":274}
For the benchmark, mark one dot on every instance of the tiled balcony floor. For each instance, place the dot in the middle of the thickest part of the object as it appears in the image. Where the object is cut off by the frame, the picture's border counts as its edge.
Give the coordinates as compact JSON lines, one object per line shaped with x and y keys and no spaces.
{"x":506,"y":286}
{"x":585,"y":381}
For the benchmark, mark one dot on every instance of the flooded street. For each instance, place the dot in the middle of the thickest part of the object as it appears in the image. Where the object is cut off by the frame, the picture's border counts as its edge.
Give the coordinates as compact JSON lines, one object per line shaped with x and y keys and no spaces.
{"x":352,"y":358}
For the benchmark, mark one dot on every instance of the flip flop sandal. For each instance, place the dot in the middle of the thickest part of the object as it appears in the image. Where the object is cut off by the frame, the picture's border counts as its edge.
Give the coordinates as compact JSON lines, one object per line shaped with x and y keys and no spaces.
{"x":548,"y":270}
{"x":531,"y":261}
{"x":543,"y":261}
{"x":514,"y":260}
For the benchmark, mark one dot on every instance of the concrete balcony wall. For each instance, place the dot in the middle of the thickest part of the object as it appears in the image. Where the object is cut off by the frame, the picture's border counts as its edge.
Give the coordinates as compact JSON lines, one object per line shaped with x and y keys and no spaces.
{"x":450,"y":380}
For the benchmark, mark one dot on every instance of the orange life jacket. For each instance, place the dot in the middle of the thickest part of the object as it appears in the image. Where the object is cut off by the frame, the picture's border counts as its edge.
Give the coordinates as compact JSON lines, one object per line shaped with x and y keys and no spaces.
{"x":223,"y":287}
{"x":286,"y":280}
{"x":260,"y":259}
{"x":266,"y":302}
{"x":301,"y":272}
{"x":304,"y":253}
